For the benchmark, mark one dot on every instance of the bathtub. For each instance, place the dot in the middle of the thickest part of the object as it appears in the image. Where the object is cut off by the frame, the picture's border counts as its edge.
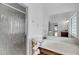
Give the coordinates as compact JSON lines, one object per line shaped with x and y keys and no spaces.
{"x":61,"y":45}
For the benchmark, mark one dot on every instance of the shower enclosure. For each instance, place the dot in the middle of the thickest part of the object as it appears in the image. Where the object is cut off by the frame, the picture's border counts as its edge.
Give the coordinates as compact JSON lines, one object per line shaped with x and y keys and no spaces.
{"x":12,"y":29}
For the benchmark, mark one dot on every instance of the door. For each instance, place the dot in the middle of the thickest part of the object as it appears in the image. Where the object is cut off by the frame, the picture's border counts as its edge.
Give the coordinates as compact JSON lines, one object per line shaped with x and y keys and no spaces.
{"x":12,"y":33}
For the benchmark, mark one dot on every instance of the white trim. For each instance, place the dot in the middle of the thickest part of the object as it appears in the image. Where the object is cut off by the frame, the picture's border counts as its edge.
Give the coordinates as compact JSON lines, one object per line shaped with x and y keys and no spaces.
{"x":13,"y":8}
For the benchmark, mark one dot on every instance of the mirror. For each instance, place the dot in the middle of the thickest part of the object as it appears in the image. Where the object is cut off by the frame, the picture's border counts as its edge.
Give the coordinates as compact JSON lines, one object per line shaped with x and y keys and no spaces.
{"x":63,"y":24}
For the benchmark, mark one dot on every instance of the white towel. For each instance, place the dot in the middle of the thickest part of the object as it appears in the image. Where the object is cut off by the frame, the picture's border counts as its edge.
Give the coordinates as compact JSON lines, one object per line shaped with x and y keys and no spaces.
{"x":36,"y":52}
{"x":36,"y":46}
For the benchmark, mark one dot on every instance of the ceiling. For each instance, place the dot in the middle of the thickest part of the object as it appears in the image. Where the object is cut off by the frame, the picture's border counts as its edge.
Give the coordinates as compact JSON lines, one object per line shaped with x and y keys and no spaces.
{"x":57,"y":8}
{"x":60,"y":11}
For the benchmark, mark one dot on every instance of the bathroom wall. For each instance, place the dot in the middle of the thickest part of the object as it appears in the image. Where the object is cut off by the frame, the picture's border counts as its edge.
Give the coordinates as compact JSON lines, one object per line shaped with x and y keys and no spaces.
{"x":46,"y":18}
{"x":35,"y":22}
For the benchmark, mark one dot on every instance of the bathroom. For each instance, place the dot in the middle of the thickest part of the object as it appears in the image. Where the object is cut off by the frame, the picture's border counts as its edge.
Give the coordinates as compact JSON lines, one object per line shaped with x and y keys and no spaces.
{"x":31,"y":28}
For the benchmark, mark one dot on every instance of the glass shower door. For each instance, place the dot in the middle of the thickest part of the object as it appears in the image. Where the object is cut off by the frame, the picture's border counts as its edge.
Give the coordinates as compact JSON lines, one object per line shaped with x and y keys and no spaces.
{"x":12,"y":31}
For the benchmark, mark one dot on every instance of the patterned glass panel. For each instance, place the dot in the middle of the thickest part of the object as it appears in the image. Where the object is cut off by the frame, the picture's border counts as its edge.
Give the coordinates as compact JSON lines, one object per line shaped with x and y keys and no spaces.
{"x":12,"y":31}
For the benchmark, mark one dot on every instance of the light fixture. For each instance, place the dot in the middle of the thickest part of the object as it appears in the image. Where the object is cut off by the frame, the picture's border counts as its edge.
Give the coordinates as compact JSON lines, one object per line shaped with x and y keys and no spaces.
{"x":67,"y":21}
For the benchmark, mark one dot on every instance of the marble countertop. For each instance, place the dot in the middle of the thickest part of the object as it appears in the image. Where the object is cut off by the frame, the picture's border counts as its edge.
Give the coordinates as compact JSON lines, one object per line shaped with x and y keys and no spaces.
{"x":61,"y":47}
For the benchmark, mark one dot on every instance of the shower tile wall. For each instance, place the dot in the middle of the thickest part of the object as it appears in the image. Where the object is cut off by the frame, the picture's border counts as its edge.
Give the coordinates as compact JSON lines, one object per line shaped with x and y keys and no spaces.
{"x":12,"y":33}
